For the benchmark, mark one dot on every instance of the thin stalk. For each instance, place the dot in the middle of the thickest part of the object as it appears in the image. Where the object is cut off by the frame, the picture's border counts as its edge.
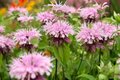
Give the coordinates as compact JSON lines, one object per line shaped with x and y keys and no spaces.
{"x":7,"y":62}
{"x":56,"y":63}
{"x":63,"y":73}
{"x":0,"y":76}
{"x":100,"y":56}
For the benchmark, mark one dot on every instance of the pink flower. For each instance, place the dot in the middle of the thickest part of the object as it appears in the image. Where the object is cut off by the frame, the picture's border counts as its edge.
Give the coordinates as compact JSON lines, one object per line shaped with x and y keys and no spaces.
{"x":107,"y":30}
{"x":59,"y":32}
{"x":30,"y":66}
{"x":96,"y":36}
{"x":102,"y":1}
{"x":88,"y":35}
{"x":63,"y":8}
{"x":59,"y":29}
{"x":2,"y":29}
{"x":89,"y":1}
{"x":6,"y":44}
{"x":24,"y":36}
{"x":101,"y":7}
{"x":25,"y":18}
{"x":98,"y":32}
{"x":89,"y":14}
{"x":45,"y":16}
{"x":18,"y":9}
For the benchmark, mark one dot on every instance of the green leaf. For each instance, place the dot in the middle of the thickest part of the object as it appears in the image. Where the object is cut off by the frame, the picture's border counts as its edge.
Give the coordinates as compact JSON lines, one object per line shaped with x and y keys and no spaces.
{"x":117,"y":17}
{"x":66,"y":53}
{"x":87,"y":76}
{"x":35,"y":41}
{"x":56,"y":52}
{"x":103,"y":77}
{"x":115,"y":5}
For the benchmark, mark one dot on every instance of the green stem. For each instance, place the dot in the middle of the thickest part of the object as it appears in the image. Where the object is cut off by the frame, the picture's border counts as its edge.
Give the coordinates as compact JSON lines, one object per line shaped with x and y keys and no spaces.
{"x":56,"y":62}
{"x":7,"y":62}
{"x":0,"y":76}
{"x":100,"y":56}
{"x":63,"y":73}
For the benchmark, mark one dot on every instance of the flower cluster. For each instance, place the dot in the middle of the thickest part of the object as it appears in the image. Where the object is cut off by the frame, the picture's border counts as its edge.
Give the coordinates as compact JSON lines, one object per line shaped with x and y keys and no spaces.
{"x":88,"y":1}
{"x":45,"y":16}
{"x":6,"y":44}
{"x":25,"y":18}
{"x":89,"y":35}
{"x":102,"y":6}
{"x":31,"y":66}
{"x":24,"y":36}
{"x":64,"y":8}
{"x":107,"y":31}
{"x":89,"y":14}
{"x":99,"y":31}
{"x":59,"y":29}
{"x":17,"y":9}
{"x":97,"y":35}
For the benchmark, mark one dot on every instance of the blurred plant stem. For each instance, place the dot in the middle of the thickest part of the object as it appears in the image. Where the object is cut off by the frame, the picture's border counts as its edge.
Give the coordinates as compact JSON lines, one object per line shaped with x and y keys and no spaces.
{"x":114,"y":6}
{"x":100,"y":52}
{"x":56,"y":63}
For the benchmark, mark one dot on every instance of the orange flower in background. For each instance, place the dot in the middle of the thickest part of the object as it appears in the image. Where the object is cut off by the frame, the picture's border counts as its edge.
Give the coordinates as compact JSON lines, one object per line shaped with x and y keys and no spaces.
{"x":20,"y":3}
{"x":3,"y":11}
{"x":47,"y":53}
{"x":30,"y":5}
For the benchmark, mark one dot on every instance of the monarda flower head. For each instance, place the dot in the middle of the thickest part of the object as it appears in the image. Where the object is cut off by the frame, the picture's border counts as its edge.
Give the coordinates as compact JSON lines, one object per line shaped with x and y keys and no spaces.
{"x":63,"y":8}
{"x":17,"y":9}
{"x":89,"y":1}
{"x":89,"y":14}
{"x":59,"y":31}
{"x":89,"y":35}
{"x":45,"y":17}
{"x":31,"y":66}
{"x":6,"y":44}
{"x":107,"y":31}
{"x":23,"y":37}
{"x":101,"y":7}
{"x":23,"y":19}
{"x":96,"y":36}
